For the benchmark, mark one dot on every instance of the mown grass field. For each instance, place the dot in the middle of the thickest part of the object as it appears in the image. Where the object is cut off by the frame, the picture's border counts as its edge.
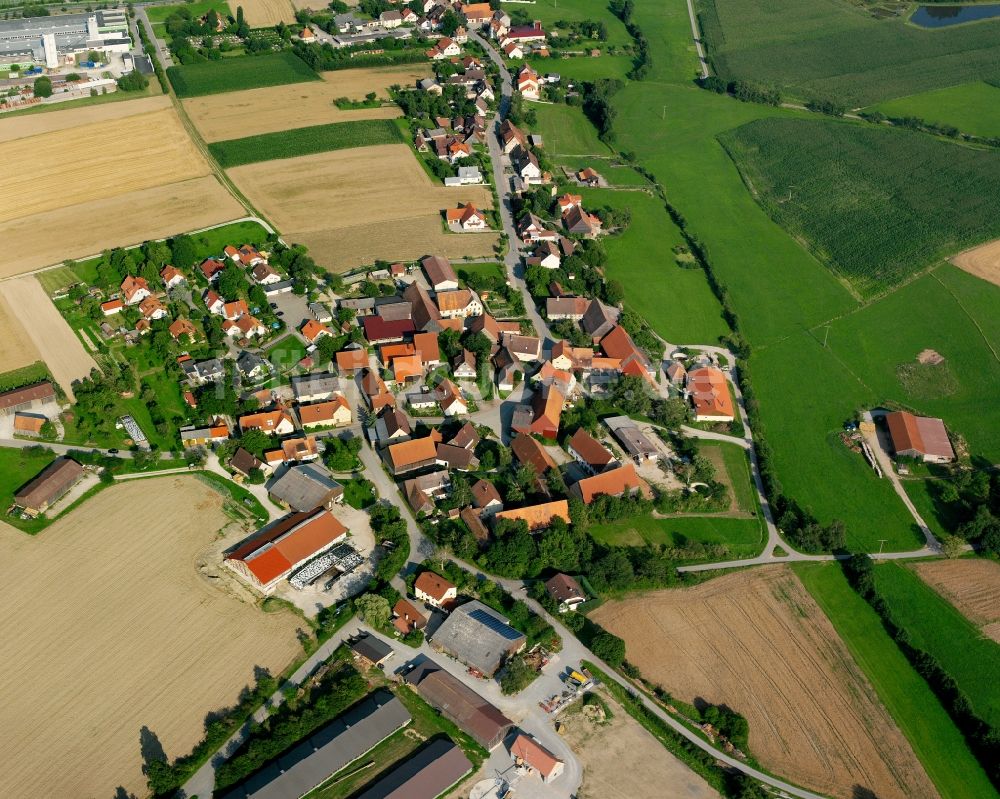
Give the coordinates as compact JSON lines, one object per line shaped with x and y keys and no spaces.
{"x":889,"y":204}
{"x":972,"y":108}
{"x":833,"y":48}
{"x":228,"y":75}
{"x":932,"y":734}
{"x":581,"y":68}
{"x":738,"y":468}
{"x":305,"y":141}
{"x":937,"y":627}
{"x":566,"y":131}
{"x":677,"y":302}
{"x":549,"y":12}
{"x":744,"y":538}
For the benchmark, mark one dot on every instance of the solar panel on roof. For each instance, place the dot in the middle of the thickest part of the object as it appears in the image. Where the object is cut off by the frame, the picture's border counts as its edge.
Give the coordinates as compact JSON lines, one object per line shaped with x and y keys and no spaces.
{"x":495,"y":624}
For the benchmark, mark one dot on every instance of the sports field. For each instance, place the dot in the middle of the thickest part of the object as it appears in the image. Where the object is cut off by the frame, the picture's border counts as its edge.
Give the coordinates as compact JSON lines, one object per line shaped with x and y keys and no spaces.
{"x":352,"y":206}
{"x":972,"y":108}
{"x":111,"y":628}
{"x":234,"y":74}
{"x":836,"y":48}
{"x":757,"y":642}
{"x":930,"y":731}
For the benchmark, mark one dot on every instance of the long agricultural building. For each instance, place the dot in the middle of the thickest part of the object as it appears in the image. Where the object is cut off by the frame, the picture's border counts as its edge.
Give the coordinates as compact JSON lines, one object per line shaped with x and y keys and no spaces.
{"x":428,"y":774}
{"x":57,"y":40}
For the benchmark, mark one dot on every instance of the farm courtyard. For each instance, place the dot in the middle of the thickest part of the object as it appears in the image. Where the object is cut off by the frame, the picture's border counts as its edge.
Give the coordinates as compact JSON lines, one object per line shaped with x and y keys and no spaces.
{"x":109,"y":629}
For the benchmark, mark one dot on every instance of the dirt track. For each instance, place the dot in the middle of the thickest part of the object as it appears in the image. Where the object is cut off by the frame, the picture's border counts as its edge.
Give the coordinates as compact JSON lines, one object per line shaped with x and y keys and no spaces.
{"x":757,"y":642}
{"x":982,"y":261}
{"x":108,"y":628}
{"x":59,"y":347}
{"x":350,"y":205}
{"x":971,"y":585}
{"x":17,"y":348}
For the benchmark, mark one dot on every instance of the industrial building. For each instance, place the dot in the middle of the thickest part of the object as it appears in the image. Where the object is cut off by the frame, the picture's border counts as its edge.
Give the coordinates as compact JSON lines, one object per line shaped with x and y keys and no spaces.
{"x":56,"y":40}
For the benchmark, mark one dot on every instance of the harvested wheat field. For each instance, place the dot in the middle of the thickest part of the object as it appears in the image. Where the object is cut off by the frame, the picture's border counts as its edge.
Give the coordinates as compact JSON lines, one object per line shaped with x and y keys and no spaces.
{"x":982,"y":261}
{"x":275,"y":108}
{"x":18,"y":348}
{"x":40,"y":240}
{"x":108,"y":628}
{"x":265,"y":13}
{"x":971,"y":585}
{"x":49,"y":332}
{"x":95,"y":161}
{"x":350,"y":206}
{"x":356,"y":83}
{"x":758,"y":642}
{"x":621,"y":760}
{"x":51,"y":121}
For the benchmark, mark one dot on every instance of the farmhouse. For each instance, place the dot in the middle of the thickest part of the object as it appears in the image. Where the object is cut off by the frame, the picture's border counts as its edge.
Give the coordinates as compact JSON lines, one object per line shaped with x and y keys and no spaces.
{"x":529,"y":452}
{"x":537,"y":517}
{"x":406,"y":618}
{"x":542,"y":416}
{"x":428,"y":774}
{"x":376,"y":393}
{"x":171,"y":276}
{"x":276,"y":551}
{"x":589,"y":452}
{"x":581,"y":223}
{"x":306,"y":487}
{"x":459,"y":704}
{"x":381,"y":331}
{"x":921,"y":437}
{"x":565,"y":591}
{"x":391,"y":424}
{"x":421,"y":492}
{"x":293,"y":450}
{"x":434,"y":590}
{"x":26,"y":397}
{"x":244,"y":462}
{"x":618,"y":344}
{"x":486,"y":498}
{"x":350,"y":360}
{"x":408,"y":456}
{"x":465,"y":218}
{"x":53,"y":482}
{"x":616,"y":483}
{"x":526,"y":751}
{"x":479,"y":637}
{"x":211,"y":268}
{"x":527,"y":83}
{"x":709,"y":392}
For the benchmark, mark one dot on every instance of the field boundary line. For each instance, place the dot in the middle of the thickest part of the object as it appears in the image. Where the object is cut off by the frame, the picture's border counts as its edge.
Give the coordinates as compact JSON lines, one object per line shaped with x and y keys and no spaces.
{"x":969,"y":315}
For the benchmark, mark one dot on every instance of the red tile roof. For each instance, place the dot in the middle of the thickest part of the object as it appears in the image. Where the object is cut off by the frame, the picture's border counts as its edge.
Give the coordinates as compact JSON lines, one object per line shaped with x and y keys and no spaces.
{"x":434,"y":585}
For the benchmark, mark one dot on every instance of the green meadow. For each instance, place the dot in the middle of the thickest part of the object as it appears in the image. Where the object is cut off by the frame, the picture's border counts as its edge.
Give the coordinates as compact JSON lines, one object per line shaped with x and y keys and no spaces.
{"x":972,"y":108}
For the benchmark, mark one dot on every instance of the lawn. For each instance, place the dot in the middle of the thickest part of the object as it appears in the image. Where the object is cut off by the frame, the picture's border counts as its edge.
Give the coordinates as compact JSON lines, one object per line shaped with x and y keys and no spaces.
{"x":359,"y":493}
{"x":743,"y":538}
{"x":972,"y":108}
{"x":566,"y":131}
{"x":159,"y":14}
{"x":932,"y":734}
{"x":275,"y":69}
{"x":888,"y":205}
{"x":830,"y":48}
{"x":486,"y":270}
{"x":285,"y":353}
{"x":677,"y":302}
{"x":584,"y":68}
{"x":936,"y":626}
{"x":305,"y":141}
{"x":738,"y":466}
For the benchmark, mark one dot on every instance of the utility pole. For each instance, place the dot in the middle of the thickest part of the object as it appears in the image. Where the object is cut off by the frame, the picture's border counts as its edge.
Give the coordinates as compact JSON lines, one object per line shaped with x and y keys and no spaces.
{"x":881,"y":543}
{"x":664,"y":116}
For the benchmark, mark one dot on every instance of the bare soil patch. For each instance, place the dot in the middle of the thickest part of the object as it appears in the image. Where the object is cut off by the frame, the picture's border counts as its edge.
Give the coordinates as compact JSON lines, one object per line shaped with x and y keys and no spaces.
{"x":17,"y":349}
{"x":61,"y":350}
{"x":982,"y":261}
{"x":621,"y":760}
{"x":48,"y":238}
{"x":109,"y":628}
{"x":350,"y":206}
{"x":972,"y":586}
{"x":95,"y":161}
{"x":274,"y":108}
{"x":51,"y":121}
{"x":264,"y":13}
{"x":757,"y":642}
{"x":929,"y":356}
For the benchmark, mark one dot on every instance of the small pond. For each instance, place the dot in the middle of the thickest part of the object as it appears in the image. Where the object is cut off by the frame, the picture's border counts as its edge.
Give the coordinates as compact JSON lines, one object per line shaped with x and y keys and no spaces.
{"x":943,"y":16}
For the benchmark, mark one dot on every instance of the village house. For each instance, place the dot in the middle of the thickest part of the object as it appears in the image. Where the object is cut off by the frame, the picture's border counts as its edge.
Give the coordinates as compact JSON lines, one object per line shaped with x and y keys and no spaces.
{"x":449,"y":398}
{"x":243,"y":463}
{"x":152,"y":309}
{"x":571,"y":308}
{"x":486,"y":498}
{"x":211,"y":268}
{"x":434,"y":589}
{"x":527,"y":752}
{"x":456,"y":458}
{"x":458,"y":304}
{"x":171,"y":277}
{"x":614,"y":483}
{"x":406,"y":618}
{"x":444,"y":48}
{"x":440,"y":274}
{"x":272,"y":423}
{"x":565,"y":591}
{"x":214,"y":303}
{"x":252,"y":366}
{"x":375,"y":391}
{"x":633,"y":361}
{"x":466,"y":218}
{"x":427,"y":348}
{"x":525,"y":164}
{"x":205,"y":436}
{"x":293,"y":450}
{"x":247,"y":255}
{"x":512,"y":137}
{"x":390,"y":425}
{"x":265,"y":275}
{"x":580,"y":223}
{"x":246,"y":326}
{"x":530,"y":452}
{"x":182,"y":327}
{"x":312,"y":331}
{"x":331,"y":413}
{"x":422,"y":492}
{"x":546,"y":254}
{"x":527,"y":83}
{"x":111,"y":307}
{"x":589,"y":177}
{"x":408,"y":456}
{"x":633,"y":440}
{"x":201,"y":372}
{"x":316,"y":386}
{"x":590,"y":453}
{"x":134,"y":290}
{"x":350,"y":360}
{"x":708,"y":390}
{"x":525,"y":349}
{"x":463,"y":366}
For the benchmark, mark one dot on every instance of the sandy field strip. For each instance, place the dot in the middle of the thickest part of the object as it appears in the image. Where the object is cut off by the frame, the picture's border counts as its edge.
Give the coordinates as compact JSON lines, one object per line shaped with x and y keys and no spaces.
{"x":356,"y":83}
{"x":61,"y":350}
{"x":265,"y":13}
{"x":367,"y":196}
{"x":40,"y":240}
{"x":51,"y":121}
{"x":95,"y":161}
{"x":16,"y":347}
{"x":757,"y":642}
{"x":274,"y":108}
{"x":621,"y":760}
{"x":108,"y":628}
{"x":972,"y":585}
{"x":982,"y":261}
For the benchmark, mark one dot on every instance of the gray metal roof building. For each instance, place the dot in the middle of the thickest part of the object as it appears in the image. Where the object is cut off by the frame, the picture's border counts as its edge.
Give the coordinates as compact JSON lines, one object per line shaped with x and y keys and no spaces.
{"x":426,"y":775}
{"x":305,"y":487}
{"x":478,"y":636}
{"x":327,"y":751}
{"x":67,"y":33}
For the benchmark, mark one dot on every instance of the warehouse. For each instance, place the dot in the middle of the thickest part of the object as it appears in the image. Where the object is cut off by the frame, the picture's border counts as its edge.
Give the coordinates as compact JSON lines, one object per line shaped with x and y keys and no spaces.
{"x":56,"y":40}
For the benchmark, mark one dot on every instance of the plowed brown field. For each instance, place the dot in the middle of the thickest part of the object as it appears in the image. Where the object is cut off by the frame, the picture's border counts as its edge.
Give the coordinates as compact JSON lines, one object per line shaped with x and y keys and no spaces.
{"x":350,"y":206}
{"x":757,"y":642}
{"x":971,"y":585}
{"x":108,"y":628}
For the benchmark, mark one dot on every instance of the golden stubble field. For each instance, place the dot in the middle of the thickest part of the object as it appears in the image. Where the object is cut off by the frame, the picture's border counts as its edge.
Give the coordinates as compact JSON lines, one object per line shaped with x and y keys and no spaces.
{"x":971,"y":585}
{"x":982,"y":261}
{"x":109,"y":628}
{"x":757,"y":641}
{"x":265,"y":13}
{"x":351,"y":206}
{"x":235,"y":114}
{"x":81,"y":180}
{"x":17,"y":349}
